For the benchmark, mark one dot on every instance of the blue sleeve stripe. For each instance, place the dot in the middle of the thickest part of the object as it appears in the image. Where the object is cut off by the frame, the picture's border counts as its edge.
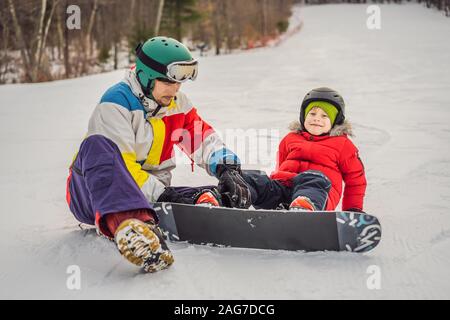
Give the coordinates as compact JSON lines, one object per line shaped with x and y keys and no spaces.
{"x":222,"y":156}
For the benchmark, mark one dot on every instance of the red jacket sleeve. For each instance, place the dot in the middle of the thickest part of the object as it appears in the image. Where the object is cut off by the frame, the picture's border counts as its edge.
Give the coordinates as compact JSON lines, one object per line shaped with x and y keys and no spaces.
{"x":281,"y":154}
{"x":352,"y":170}
{"x":196,"y":131}
{"x":203,"y":145}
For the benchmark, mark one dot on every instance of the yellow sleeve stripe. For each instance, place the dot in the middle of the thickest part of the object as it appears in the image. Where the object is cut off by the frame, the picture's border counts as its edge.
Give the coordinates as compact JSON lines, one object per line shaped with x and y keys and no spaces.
{"x":159,"y":134}
{"x":139,"y":175}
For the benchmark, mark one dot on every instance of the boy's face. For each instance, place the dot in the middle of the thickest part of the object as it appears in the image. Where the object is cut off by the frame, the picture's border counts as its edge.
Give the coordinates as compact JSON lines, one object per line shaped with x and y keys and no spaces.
{"x":317,"y":122}
{"x":165,"y":91}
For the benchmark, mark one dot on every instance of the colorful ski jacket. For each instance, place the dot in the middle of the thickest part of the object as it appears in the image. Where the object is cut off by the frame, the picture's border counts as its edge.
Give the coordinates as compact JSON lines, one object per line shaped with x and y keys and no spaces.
{"x":146,"y":134}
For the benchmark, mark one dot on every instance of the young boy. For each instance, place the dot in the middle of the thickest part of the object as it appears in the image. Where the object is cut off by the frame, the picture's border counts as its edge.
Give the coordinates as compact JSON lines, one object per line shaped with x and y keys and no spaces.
{"x":313,"y":161}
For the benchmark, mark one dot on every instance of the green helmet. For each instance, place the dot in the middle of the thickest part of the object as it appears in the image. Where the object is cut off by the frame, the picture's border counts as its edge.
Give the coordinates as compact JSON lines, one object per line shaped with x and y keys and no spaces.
{"x":165,"y":58}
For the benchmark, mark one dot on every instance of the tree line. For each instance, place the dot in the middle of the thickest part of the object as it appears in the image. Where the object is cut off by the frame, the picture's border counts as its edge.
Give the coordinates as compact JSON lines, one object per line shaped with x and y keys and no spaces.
{"x":44,"y":40}
{"x":442,"y":5}
{"x":38,"y":42}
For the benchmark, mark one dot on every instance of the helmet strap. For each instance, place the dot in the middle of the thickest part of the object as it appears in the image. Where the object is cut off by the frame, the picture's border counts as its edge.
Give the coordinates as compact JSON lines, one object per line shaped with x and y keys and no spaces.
{"x":147,"y":90}
{"x":149,"y":62}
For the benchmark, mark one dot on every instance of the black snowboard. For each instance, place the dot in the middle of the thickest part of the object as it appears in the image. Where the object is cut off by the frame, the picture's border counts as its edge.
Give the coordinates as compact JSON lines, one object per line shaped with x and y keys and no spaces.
{"x":269,"y":229}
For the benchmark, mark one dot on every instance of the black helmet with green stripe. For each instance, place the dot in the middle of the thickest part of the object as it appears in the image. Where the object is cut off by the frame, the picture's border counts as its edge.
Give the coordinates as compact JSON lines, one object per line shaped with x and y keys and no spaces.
{"x":163,"y":58}
{"x":324,"y":94}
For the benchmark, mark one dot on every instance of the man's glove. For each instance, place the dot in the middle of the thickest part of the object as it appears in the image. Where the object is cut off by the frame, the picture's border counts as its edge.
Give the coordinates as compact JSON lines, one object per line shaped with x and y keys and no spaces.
{"x":232,"y":187}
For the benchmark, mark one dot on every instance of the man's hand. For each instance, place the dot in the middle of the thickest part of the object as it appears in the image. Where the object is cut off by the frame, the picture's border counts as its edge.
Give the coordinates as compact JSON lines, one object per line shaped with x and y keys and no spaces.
{"x":232,"y":187}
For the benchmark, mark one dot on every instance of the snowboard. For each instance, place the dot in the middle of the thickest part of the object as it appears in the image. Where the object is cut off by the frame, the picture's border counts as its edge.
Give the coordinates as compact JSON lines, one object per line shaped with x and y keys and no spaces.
{"x":269,"y":229}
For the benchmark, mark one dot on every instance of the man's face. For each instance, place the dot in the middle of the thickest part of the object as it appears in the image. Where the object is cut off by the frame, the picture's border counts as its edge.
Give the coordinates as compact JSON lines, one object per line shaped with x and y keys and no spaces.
{"x":165,"y":91}
{"x":317,"y":122}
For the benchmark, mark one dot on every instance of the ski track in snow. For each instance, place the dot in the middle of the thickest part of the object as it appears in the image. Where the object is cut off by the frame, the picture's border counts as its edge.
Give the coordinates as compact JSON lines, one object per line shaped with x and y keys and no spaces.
{"x":395,"y":82}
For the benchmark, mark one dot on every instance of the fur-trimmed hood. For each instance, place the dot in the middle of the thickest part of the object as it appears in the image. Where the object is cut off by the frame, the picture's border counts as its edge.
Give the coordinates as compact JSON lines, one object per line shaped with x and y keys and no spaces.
{"x":338,"y":130}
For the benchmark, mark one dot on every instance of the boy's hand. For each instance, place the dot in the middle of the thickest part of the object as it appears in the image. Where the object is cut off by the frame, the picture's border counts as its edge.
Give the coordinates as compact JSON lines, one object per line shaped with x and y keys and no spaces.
{"x":232,"y":187}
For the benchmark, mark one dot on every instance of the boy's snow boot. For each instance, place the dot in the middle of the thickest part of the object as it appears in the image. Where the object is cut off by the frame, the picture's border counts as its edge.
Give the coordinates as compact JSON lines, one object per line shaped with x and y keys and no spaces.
{"x":208,"y":197}
{"x":302,"y":204}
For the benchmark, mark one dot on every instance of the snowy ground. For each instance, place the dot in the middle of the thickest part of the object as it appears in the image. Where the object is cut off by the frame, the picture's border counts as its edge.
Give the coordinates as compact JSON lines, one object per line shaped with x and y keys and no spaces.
{"x":396,"y":82}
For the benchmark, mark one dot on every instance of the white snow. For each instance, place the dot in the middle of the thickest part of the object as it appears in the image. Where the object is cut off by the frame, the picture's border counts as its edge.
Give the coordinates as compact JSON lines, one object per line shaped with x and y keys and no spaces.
{"x":396,"y":82}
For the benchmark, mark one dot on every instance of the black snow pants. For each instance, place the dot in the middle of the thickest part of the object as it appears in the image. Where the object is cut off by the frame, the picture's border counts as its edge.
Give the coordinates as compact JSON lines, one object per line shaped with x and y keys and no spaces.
{"x":272,"y":194}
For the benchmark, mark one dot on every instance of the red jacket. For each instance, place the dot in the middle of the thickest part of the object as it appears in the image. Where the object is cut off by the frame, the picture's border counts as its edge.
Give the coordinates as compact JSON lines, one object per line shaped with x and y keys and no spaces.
{"x":334,"y":155}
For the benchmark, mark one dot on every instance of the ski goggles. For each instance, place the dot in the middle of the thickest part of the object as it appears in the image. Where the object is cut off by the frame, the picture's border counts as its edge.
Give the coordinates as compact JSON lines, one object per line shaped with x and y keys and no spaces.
{"x":179,"y":71}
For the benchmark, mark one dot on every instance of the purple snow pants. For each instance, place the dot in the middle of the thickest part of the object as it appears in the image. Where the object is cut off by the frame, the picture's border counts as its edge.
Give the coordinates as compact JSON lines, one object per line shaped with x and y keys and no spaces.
{"x":99,"y":182}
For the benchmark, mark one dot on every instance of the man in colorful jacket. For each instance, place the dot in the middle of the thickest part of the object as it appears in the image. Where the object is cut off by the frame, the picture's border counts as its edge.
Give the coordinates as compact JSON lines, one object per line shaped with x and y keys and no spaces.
{"x":124,"y":163}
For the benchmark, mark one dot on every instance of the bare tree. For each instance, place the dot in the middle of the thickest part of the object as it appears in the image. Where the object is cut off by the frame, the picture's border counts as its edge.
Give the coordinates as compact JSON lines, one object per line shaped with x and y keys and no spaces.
{"x":216,"y":9}
{"x":44,"y":35}
{"x":159,"y":16}
{"x":263,"y":4}
{"x":88,"y":43}
{"x":33,"y":51}
{"x":67,"y":65}
{"x":19,"y":36}
{"x":4,"y":57}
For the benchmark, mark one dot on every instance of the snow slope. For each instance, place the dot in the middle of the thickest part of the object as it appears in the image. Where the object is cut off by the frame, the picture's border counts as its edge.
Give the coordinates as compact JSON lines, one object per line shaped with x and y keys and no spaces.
{"x":396,"y":82}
